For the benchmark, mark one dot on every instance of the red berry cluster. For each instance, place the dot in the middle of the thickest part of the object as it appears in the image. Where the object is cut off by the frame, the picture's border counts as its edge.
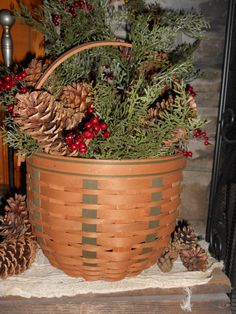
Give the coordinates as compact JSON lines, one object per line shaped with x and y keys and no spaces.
{"x":199,"y":134}
{"x":10,"y":84}
{"x":190,"y":90}
{"x":11,"y":80}
{"x":81,"y":4}
{"x":55,"y":19}
{"x":187,"y":153}
{"x":76,"y":141}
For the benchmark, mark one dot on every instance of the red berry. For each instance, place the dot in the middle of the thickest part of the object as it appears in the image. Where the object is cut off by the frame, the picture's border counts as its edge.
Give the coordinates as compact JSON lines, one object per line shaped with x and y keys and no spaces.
{"x":185,"y":154}
{"x":10,"y":108}
{"x":78,"y":140}
{"x":96,"y":127}
{"x":1,"y":82}
{"x":88,"y":125}
{"x":73,"y":147}
{"x":206,"y":138}
{"x":81,"y":4}
{"x":76,"y":4}
{"x":203,"y":134}
{"x":88,"y":134}
{"x":13,"y":83}
{"x":69,"y":138}
{"x":8,"y":86}
{"x":23,"y":90}
{"x":190,"y":154}
{"x":89,"y":7}
{"x":56,"y":23}
{"x":24,"y":74}
{"x":106,"y":134}
{"x":206,"y":143}
{"x":20,"y":77}
{"x":83,"y":150}
{"x":7,"y":78}
{"x":72,"y":10}
{"x":103,"y":126}
{"x":90,"y":110}
{"x":95,"y":120}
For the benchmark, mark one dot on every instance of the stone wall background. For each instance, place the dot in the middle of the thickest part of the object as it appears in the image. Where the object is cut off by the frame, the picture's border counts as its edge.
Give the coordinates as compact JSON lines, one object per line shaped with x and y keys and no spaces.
{"x":209,"y":59}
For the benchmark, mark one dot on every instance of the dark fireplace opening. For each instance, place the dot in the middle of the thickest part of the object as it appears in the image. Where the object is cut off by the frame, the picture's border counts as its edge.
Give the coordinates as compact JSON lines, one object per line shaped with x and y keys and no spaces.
{"x":221,"y":223}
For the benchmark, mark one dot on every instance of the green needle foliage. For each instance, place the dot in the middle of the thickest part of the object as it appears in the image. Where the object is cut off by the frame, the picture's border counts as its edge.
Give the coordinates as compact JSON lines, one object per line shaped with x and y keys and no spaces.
{"x":154,"y":70}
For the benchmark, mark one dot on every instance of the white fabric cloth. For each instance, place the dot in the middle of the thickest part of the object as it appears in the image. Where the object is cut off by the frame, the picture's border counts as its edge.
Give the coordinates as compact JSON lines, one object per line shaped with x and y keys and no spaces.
{"x":43,"y":280}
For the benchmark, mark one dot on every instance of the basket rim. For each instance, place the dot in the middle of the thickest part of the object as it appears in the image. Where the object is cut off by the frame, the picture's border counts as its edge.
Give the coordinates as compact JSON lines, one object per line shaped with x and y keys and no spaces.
{"x":110,"y":161}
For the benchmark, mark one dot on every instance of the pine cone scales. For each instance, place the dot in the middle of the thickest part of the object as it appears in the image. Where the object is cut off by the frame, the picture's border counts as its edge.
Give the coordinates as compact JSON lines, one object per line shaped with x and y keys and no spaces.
{"x":194,"y":258}
{"x":168,"y":257}
{"x":185,"y":235}
{"x":34,"y":72}
{"x":17,"y":255}
{"x":15,"y":221}
{"x":77,"y":96}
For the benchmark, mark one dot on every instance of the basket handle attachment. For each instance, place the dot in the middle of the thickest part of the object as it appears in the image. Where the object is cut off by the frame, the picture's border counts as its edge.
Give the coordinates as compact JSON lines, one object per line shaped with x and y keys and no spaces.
{"x":74,"y":51}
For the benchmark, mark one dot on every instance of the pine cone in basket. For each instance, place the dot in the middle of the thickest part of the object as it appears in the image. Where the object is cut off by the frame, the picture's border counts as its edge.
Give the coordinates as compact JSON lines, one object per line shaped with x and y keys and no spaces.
{"x":34,"y":71}
{"x":15,"y":220}
{"x":194,"y":258}
{"x":43,"y":118}
{"x":177,"y":135}
{"x":17,"y":255}
{"x":156,"y":111}
{"x":168,"y":257}
{"x":78,"y":97}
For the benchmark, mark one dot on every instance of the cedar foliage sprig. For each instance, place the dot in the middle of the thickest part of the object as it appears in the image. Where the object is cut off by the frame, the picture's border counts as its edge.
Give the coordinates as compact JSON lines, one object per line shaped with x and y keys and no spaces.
{"x":141,"y":76}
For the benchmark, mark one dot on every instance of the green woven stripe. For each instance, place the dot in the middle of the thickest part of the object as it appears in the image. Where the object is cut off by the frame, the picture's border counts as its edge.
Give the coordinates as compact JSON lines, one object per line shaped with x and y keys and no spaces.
{"x":153,"y":224}
{"x":36,"y":215}
{"x":90,"y":264}
{"x":89,"y":228}
{"x":86,"y":240}
{"x":35,"y":174}
{"x":156,"y":196}
{"x":154,"y":211}
{"x":38,"y":228}
{"x":36,"y":201}
{"x":90,"y":184}
{"x":157,"y":182}
{"x":90,"y":199}
{"x":89,"y":213}
{"x":151,"y":237}
{"x":146,"y":250}
{"x":87,"y":254}
{"x":35,"y":188}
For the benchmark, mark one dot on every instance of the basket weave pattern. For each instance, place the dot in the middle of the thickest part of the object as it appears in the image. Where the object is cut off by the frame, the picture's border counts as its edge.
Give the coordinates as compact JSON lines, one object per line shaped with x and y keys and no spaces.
{"x":103,"y":219}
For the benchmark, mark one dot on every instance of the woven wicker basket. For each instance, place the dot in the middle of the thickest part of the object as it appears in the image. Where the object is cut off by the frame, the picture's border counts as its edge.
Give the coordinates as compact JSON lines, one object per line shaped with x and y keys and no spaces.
{"x":102,"y":219}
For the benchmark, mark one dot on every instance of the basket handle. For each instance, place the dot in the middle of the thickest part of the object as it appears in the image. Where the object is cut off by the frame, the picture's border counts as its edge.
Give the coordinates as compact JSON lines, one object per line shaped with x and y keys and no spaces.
{"x":74,"y":51}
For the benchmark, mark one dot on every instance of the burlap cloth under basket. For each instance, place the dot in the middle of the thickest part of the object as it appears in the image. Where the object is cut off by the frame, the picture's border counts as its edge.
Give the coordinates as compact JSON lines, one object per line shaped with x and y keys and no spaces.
{"x":102,"y":219}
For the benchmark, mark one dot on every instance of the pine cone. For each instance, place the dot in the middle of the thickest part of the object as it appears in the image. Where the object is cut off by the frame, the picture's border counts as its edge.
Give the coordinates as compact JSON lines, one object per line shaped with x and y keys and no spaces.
{"x":15,"y":221}
{"x":77,"y":97}
{"x":17,"y":255}
{"x":194,"y":258}
{"x":34,"y":72}
{"x":168,"y":257}
{"x":156,"y":111}
{"x":41,"y":117}
{"x":184,"y":236}
{"x":177,"y":135}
